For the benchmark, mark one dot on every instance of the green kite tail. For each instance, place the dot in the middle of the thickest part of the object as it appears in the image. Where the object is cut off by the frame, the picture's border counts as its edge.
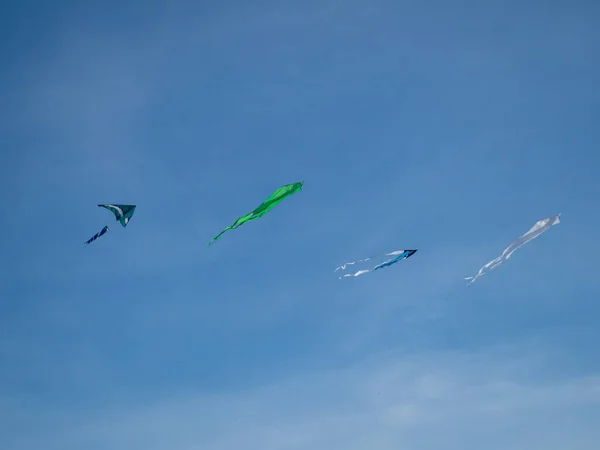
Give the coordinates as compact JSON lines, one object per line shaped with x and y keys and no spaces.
{"x":277,"y":197}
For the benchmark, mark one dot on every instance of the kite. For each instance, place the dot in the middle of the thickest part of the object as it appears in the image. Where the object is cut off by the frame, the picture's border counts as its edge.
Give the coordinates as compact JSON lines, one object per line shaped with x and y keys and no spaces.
{"x":277,"y":197}
{"x":97,"y":235}
{"x":122,"y":212}
{"x":534,"y":232}
{"x":398,"y":255}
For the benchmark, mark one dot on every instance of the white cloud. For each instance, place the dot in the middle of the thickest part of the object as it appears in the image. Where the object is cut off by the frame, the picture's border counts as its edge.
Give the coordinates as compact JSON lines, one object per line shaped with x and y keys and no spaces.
{"x":447,"y":400}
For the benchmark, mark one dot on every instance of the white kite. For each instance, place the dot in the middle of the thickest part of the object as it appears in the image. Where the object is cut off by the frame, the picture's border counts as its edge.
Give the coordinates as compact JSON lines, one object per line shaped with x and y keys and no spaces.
{"x":534,"y":232}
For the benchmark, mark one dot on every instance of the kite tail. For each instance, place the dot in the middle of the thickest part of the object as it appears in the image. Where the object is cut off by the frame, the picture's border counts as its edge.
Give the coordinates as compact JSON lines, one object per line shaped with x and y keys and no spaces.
{"x":235,"y":225}
{"x":343,"y":266}
{"x":218,"y":236}
{"x":347,"y":275}
{"x":104,"y":230}
{"x":473,"y":279}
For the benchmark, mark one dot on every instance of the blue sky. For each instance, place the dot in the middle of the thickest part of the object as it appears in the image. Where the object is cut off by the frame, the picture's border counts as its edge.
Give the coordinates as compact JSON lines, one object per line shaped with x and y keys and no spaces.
{"x":451,"y":127}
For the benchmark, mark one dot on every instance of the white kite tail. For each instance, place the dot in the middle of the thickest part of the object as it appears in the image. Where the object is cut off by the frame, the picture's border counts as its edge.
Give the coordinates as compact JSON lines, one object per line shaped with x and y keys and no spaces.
{"x":535,"y":231}
{"x":355,"y":274}
{"x":343,"y":266}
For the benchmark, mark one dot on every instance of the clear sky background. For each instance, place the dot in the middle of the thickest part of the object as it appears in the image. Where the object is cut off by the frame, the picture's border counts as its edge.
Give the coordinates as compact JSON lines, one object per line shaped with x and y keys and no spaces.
{"x":450,"y":127}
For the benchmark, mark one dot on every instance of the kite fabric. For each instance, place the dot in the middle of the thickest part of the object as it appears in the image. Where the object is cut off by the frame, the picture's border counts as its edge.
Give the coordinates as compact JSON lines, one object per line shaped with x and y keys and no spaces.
{"x":122,"y":212}
{"x":277,"y":197}
{"x":97,"y":235}
{"x":533,"y":233}
{"x":398,"y":255}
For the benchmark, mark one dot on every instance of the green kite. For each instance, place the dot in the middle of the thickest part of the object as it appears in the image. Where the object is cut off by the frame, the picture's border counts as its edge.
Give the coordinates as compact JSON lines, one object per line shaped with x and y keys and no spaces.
{"x":277,"y":197}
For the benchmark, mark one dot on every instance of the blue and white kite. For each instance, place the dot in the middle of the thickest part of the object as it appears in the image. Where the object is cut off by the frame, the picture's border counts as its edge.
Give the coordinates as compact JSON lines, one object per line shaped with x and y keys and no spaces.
{"x":398,"y":255}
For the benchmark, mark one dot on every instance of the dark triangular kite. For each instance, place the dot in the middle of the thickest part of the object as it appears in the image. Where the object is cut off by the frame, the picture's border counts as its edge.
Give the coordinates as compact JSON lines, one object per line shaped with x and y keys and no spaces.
{"x":122,"y":212}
